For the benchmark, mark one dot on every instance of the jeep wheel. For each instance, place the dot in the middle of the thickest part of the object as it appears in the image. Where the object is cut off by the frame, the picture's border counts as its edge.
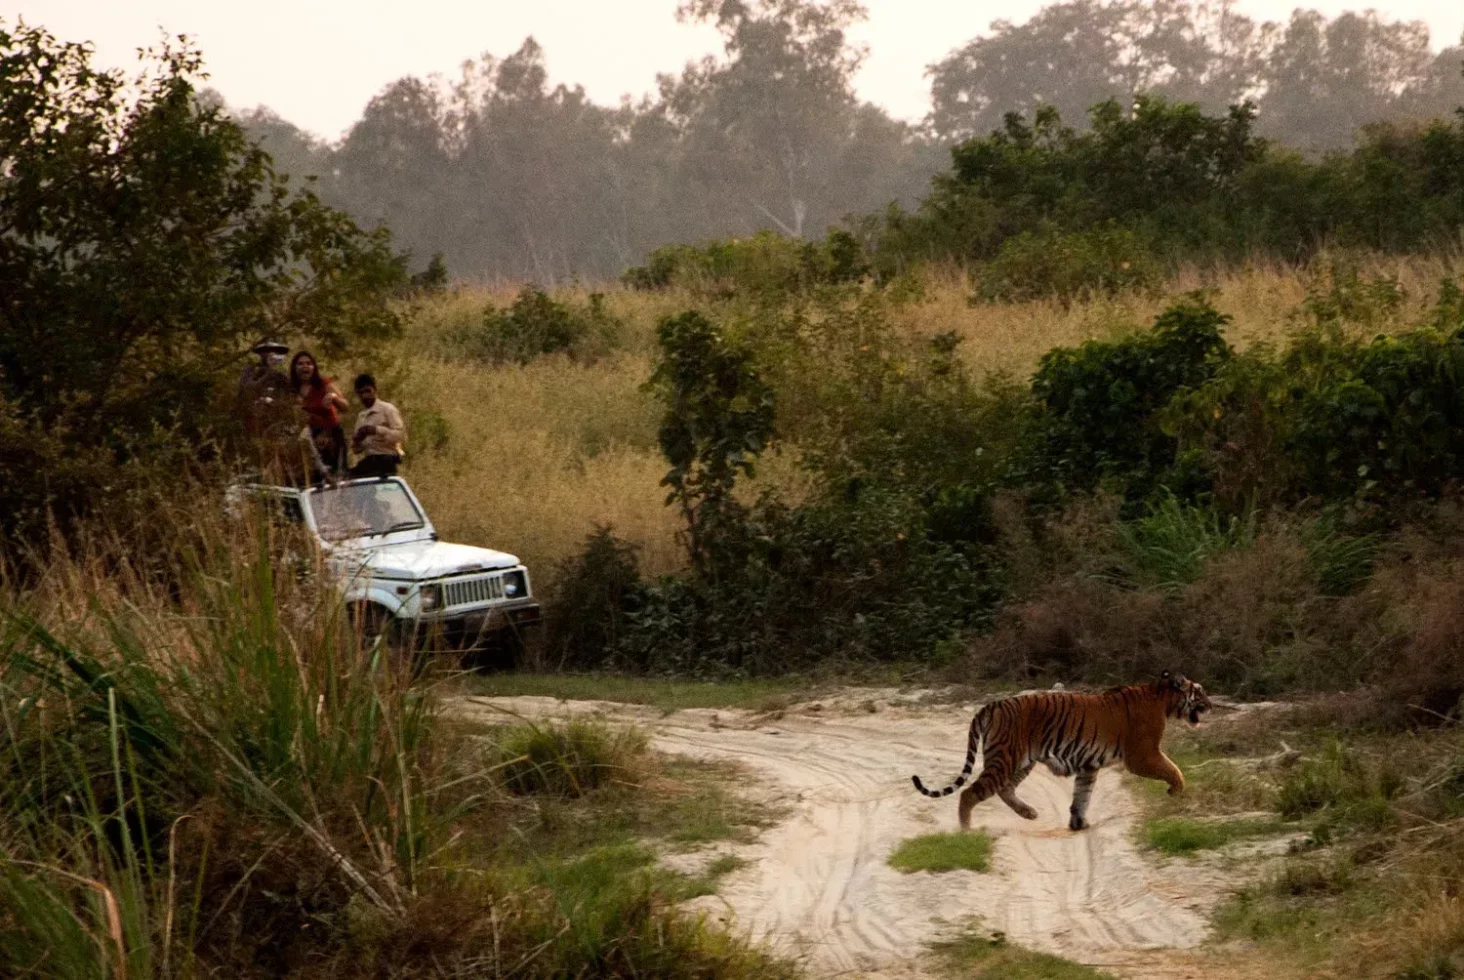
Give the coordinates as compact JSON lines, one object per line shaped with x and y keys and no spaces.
{"x":378,"y":630}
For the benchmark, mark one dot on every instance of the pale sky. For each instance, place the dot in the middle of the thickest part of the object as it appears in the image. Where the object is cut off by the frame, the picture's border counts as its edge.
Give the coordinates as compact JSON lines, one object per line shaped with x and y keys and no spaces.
{"x":317,"y":62}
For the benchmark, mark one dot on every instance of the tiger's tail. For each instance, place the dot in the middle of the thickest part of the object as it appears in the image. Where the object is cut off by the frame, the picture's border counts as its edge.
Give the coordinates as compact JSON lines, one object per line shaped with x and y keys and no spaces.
{"x":979,"y":726}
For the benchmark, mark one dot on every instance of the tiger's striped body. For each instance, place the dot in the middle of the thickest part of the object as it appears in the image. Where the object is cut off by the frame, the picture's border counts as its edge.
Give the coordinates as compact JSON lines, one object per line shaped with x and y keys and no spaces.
{"x":1073,"y":735}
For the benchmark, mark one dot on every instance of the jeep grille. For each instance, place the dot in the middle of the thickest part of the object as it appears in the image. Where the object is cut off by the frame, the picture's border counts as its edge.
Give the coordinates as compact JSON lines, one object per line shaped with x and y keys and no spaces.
{"x":467,"y":592}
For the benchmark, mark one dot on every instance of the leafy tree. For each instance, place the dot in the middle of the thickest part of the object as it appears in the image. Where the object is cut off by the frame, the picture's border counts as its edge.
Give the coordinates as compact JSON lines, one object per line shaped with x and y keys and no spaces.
{"x":719,"y":417}
{"x":143,"y":243}
{"x":1326,"y":80}
{"x":1075,"y":54}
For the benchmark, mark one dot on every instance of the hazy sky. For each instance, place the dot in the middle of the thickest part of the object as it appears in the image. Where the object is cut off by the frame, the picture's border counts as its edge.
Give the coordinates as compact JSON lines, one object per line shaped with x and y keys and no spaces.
{"x":317,"y":62}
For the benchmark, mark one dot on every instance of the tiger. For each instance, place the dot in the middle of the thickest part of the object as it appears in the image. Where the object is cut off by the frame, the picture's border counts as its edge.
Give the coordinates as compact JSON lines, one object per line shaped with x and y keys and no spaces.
{"x":1073,"y":734}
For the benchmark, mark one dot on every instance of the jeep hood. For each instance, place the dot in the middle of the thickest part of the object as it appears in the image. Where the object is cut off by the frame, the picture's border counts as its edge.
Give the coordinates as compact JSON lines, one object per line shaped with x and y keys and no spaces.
{"x":430,"y":559}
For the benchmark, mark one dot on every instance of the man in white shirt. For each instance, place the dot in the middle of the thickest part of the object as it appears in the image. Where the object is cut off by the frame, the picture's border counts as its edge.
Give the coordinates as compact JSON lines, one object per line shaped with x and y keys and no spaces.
{"x":380,"y":433}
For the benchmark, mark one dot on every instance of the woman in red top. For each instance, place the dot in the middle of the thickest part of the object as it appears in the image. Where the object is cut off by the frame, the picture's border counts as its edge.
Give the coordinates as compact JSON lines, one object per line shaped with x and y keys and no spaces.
{"x":322,"y":403}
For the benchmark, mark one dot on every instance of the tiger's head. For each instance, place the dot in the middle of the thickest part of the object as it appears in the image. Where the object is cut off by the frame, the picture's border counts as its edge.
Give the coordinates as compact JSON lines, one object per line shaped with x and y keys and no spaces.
{"x":1183,"y":697}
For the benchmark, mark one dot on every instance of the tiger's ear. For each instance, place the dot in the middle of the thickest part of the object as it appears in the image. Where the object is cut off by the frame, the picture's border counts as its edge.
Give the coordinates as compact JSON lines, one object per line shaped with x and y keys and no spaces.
{"x":1170,"y":681}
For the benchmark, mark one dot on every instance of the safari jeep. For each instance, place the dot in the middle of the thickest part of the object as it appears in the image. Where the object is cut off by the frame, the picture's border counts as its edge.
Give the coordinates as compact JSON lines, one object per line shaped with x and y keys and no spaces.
{"x":400,"y":583}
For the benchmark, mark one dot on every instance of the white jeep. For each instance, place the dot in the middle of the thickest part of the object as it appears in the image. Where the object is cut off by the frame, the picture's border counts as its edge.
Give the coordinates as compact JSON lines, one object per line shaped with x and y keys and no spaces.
{"x":400,"y":583}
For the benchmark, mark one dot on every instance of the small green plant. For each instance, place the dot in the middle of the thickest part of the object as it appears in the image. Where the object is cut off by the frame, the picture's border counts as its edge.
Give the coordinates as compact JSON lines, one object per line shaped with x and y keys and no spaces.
{"x":992,"y":957}
{"x":943,"y":852}
{"x":592,"y":595}
{"x":567,"y":760}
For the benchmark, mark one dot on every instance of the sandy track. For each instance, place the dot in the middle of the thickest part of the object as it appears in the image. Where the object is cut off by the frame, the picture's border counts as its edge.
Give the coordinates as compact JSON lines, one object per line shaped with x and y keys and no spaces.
{"x":818,"y":885}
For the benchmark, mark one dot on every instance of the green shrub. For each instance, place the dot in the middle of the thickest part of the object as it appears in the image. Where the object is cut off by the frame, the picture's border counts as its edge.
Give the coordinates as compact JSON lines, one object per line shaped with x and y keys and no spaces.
{"x":1329,"y":417}
{"x":766,"y":264}
{"x":537,"y":324}
{"x":567,"y":760}
{"x":1100,"y":404}
{"x":1347,"y":789}
{"x":590,"y":601}
{"x":1069,"y":266}
{"x":1170,"y":544}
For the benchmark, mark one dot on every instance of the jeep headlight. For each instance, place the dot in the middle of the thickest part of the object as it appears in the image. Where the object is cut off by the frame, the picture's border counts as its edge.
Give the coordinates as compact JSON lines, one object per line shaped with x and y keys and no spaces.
{"x":431,"y":596}
{"x":514,"y":585}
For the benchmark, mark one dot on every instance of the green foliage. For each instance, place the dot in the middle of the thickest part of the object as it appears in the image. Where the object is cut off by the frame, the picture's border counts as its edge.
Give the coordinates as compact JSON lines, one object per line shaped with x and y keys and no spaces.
{"x":943,"y":852}
{"x":432,"y":279}
{"x":1330,"y":417}
{"x":593,"y":594}
{"x":138,"y":737}
{"x":569,"y":760}
{"x":1185,"y":836}
{"x":144,"y":243}
{"x":537,"y":324}
{"x":992,"y":957}
{"x":1348,"y":790}
{"x":1340,"y":561}
{"x":1100,"y":403}
{"x":1103,"y":261}
{"x":719,"y":417}
{"x":767,"y":264}
{"x":1043,"y":209}
{"x":1170,"y":544}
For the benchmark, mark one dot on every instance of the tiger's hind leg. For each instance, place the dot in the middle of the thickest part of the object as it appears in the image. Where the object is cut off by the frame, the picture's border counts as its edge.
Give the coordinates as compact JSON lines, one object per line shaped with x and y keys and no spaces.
{"x":1008,"y":794}
{"x":986,"y":785}
{"x":1082,"y":793}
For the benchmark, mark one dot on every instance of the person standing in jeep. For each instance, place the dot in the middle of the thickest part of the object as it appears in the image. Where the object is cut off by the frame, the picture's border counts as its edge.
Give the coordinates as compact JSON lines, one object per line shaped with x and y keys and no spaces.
{"x":379,"y":434}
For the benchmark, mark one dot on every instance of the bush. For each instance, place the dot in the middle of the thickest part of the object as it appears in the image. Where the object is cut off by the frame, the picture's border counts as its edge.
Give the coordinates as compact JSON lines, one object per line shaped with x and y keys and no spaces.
{"x":1330,"y":417}
{"x":1170,"y":545}
{"x":1068,"y":266}
{"x":569,"y":760}
{"x":591,"y":602}
{"x":536,"y":324}
{"x":1100,"y":404}
{"x":767,"y":264}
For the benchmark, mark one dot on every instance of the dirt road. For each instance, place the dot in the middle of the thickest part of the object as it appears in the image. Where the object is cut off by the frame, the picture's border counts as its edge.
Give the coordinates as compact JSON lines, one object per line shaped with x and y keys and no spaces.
{"x":817,"y":884}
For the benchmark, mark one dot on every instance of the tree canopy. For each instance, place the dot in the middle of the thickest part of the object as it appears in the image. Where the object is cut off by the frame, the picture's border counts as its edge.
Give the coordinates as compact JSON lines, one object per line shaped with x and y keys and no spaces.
{"x":145,"y":241}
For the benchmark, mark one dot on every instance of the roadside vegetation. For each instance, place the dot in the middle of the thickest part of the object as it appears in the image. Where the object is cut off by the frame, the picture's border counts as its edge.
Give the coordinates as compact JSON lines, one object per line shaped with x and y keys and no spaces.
{"x":204,"y":774}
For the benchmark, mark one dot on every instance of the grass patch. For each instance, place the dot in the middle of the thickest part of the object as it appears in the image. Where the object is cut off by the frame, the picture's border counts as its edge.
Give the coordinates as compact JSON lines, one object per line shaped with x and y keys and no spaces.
{"x":943,"y":852}
{"x":762,"y":694}
{"x":1183,"y":835}
{"x":567,"y":760}
{"x":993,"y":958}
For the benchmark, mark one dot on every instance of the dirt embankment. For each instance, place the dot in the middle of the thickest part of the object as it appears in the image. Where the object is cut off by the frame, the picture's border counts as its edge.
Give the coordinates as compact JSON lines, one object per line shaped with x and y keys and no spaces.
{"x":817,"y":884}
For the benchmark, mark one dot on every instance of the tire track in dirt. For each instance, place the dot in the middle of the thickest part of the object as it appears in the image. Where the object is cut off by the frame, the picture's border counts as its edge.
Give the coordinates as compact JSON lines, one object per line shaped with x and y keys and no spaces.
{"x":817,"y":884}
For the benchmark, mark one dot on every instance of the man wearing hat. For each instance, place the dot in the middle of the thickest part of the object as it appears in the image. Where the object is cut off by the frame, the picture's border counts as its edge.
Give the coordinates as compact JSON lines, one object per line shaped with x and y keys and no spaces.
{"x":264,"y":392}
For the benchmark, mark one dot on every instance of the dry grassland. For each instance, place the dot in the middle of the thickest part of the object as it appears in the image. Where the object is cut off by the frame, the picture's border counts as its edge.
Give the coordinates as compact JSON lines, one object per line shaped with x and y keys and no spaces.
{"x":536,"y":456}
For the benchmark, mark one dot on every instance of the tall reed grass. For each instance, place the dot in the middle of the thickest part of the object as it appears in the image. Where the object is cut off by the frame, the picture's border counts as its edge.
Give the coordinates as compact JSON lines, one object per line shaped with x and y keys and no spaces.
{"x":203,"y":772}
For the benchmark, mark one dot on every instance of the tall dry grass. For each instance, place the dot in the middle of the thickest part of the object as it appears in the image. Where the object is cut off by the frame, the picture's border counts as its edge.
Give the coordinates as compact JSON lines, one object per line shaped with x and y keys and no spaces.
{"x":205,"y":774}
{"x":538,"y":455}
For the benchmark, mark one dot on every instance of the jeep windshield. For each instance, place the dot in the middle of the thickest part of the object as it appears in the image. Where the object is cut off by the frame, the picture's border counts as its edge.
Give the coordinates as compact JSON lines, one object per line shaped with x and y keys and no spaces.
{"x":363,"y":510}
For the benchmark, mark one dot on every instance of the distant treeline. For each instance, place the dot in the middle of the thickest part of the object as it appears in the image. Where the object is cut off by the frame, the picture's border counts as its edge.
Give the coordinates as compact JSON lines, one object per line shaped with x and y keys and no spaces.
{"x":507,"y":175}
